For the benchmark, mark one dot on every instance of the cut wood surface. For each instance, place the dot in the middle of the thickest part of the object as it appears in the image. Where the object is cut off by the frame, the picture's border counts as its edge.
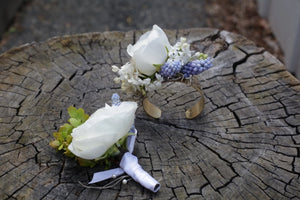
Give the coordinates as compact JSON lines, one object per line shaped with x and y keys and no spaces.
{"x":244,"y":145}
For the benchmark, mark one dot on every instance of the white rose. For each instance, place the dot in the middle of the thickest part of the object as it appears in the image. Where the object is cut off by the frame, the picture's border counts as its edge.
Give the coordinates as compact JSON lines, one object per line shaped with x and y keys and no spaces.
{"x":104,"y":128}
{"x":149,"y":49}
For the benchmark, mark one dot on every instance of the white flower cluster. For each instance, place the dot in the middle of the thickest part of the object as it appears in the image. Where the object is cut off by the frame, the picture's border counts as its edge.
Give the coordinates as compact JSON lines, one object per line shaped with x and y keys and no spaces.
{"x":180,"y":52}
{"x":132,"y":80}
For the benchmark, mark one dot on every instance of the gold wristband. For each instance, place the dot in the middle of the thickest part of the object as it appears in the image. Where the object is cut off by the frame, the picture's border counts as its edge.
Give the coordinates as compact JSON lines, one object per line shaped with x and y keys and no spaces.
{"x":190,"y":113}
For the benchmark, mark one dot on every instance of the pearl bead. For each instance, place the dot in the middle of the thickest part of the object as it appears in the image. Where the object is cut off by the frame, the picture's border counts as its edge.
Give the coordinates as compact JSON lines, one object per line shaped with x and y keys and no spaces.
{"x":124,"y":181}
{"x":114,"y":176}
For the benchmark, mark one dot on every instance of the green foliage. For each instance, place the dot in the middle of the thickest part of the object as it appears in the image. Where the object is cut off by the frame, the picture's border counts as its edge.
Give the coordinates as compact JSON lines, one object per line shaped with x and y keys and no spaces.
{"x":77,"y":116}
{"x":157,"y":66}
{"x":202,"y":56}
{"x":63,"y":138}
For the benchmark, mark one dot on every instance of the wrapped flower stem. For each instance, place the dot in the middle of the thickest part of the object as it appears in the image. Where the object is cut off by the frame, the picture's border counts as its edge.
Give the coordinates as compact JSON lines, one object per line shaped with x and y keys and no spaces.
{"x":129,"y":165}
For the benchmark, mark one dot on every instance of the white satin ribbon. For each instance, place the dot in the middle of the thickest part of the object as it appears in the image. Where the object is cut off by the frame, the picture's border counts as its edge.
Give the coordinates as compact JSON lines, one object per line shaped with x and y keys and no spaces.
{"x":104,"y":175}
{"x":129,"y":165}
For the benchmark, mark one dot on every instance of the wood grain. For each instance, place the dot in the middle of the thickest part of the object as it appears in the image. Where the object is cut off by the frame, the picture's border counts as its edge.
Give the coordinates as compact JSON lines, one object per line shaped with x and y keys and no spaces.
{"x":245,"y":144}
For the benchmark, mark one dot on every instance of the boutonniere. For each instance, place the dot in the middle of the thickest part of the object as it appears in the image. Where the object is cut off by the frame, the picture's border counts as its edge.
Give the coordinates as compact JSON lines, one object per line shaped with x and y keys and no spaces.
{"x":101,"y":138}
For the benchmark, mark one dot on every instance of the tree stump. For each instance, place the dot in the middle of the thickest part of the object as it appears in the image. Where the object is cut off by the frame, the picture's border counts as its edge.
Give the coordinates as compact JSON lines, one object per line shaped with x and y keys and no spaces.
{"x":245,"y":144}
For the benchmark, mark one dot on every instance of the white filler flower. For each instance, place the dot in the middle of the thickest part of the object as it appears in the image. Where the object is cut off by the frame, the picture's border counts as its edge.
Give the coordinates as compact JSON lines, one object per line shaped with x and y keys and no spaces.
{"x":104,"y":128}
{"x":149,"y":49}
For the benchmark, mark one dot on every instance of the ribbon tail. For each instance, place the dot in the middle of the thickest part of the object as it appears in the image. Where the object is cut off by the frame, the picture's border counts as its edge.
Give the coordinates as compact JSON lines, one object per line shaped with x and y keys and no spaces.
{"x":130,"y":165}
{"x":104,"y":175}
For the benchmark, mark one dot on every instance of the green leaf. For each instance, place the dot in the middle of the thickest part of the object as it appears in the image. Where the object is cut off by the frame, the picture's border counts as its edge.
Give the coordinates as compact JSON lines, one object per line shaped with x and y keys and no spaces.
{"x":75,"y":122}
{"x":158,"y":66}
{"x":107,"y":164}
{"x":61,"y":147}
{"x":86,"y":163}
{"x":55,"y":144}
{"x":84,"y":118}
{"x":67,"y":128}
{"x":112,"y":151}
{"x":77,"y":114}
{"x":69,"y":139}
{"x":69,"y":153}
{"x":202,"y":56}
{"x":72,"y":111}
{"x":167,"y":49}
{"x":122,"y":140}
{"x":58,"y":136}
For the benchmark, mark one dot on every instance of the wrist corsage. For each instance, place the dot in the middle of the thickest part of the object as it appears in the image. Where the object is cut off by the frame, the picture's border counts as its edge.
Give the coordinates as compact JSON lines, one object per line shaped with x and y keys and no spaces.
{"x":154,"y":61}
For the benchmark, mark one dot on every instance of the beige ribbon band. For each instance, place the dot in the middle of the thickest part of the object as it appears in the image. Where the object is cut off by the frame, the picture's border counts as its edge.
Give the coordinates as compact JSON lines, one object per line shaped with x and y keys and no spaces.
{"x":190,"y":113}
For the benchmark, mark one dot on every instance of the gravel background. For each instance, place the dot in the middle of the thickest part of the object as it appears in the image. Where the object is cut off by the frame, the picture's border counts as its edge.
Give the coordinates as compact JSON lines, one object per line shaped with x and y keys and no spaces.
{"x":38,"y":20}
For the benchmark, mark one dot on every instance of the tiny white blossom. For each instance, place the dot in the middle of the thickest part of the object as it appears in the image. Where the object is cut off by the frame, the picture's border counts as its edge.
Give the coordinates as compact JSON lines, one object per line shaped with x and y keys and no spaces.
{"x":182,"y":40}
{"x":195,"y":56}
{"x":180,"y":52}
{"x":153,"y":86}
{"x":115,"y":68}
{"x":156,"y":84}
{"x":159,"y":77}
{"x":117,"y":80}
